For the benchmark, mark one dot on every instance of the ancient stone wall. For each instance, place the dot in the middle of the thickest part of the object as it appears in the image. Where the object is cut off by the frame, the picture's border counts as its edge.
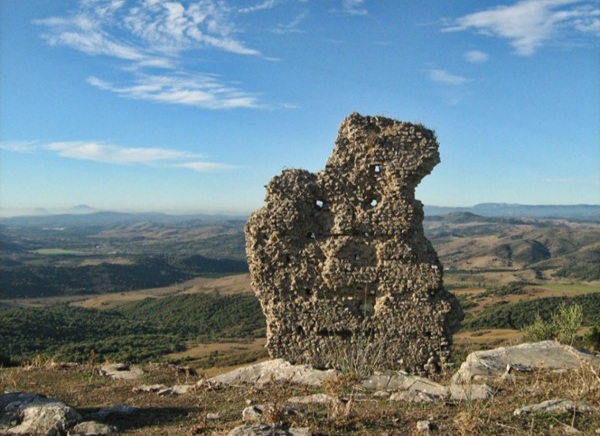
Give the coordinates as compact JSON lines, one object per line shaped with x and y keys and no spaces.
{"x":339,"y":258}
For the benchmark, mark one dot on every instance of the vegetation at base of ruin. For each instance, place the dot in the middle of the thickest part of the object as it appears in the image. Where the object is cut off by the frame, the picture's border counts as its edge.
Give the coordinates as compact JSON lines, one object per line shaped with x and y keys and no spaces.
{"x":135,"y":332}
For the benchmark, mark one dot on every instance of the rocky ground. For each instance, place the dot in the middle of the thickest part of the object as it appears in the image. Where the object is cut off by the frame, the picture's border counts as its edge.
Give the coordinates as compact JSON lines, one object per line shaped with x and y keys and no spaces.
{"x":531,"y":389}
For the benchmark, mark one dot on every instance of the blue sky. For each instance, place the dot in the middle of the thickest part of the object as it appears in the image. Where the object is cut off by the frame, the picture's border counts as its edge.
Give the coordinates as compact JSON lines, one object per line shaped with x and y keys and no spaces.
{"x":195,"y":105}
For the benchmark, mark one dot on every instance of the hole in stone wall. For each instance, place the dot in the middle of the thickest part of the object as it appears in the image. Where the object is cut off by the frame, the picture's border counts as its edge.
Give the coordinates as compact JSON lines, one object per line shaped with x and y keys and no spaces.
{"x":308,"y":292}
{"x":311,"y":235}
{"x":373,"y":202}
{"x":367,"y":309}
{"x":356,"y":257}
{"x":345,"y":334}
{"x":319,"y":204}
{"x":299,"y":330}
{"x":377,"y":169}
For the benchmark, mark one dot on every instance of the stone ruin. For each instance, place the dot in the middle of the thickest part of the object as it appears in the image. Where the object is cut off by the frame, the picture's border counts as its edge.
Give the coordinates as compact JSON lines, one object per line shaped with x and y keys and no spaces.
{"x":339,"y":260}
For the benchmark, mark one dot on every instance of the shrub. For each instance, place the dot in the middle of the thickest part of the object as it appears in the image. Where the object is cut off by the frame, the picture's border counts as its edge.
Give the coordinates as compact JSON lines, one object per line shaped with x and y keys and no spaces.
{"x":562,"y":326}
{"x":592,"y":338}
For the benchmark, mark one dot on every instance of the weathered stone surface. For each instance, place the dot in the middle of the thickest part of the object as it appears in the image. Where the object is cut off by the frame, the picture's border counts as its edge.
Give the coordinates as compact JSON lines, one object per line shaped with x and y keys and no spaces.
{"x":268,"y":430}
{"x":558,"y":405}
{"x":311,"y":399}
{"x":425,"y":426}
{"x":470,"y":392}
{"x":413,"y":397}
{"x":273,"y":370}
{"x":255,"y":413}
{"x":92,"y":428}
{"x":34,"y":414}
{"x":341,"y":254}
{"x":482,"y":365}
{"x":149,"y":388}
{"x":121,"y":371}
{"x":252,"y":414}
{"x":404,"y":382}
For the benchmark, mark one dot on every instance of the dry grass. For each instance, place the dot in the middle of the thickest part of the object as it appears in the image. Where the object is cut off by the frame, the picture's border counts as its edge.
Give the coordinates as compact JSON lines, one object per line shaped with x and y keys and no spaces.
{"x":82,"y":388}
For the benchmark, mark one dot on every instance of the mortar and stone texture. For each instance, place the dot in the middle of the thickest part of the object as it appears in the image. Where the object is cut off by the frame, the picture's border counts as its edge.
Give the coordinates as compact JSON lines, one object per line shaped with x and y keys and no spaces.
{"x":339,"y":260}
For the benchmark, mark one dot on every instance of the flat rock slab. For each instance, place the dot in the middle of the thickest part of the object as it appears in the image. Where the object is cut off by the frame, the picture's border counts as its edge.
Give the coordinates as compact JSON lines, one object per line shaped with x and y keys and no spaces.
{"x":404,"y":382}
{"x":92,"y":428}
{"x":268,"y":430}
{"x":22,"y":413}
{"x":407,"y":387}
{"x":273,"y":370}
{"x":413,"y":397}
{"x":255,"y":413}
{"x":483,"y":365}
{"x":121,"y":371}
{"x":470,"y":392}
{"x":558,"y":405}
{"x":312,"y":399}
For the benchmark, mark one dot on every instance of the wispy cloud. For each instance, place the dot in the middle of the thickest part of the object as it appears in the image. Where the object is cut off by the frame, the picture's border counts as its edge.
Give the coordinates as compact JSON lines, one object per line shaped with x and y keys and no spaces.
{"x":442,"y":76}
{"x":354,"y":7}
{"x":476,"y":57}
{"x":530,"y":24}
{"x":107,"y":153}
{"x":173,"y":26}
{"x":150,"y":34}
{"x":267,"y":4}
{"x":145,"y":28}
{"x":18,"y":146}
{"x":292,"y":26}
{"x":200,"y":90}
{"x":205,"y":167}
{"x":85,"y":33}
{"x":116,"y":155}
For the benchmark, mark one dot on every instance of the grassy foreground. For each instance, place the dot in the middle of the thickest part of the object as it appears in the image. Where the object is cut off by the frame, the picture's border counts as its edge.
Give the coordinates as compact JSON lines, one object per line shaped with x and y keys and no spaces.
{"x":353,"y":412}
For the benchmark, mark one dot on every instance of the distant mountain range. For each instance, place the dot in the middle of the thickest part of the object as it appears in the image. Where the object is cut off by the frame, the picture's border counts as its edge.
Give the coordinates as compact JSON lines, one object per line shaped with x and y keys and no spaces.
{"x":99,"y":218}
{"x":84,"y":215}
{"x":585,"y":212}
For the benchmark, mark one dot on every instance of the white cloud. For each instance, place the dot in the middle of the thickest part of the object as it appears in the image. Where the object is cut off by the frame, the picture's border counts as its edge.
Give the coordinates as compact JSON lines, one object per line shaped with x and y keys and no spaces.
{"x":201,"y":90}
{"x":112,"y":154}
{"x":18,"y":146}
{"x":292,"y":26}
{"x":85,"y":33}
{"x":171,"y":27}
{"x":267,"y":4}
{"x":443,"y":76}
{"x":146,"y":28}
{"x":476,"y":57}
{"x":354,"y":7}
{"x":530,"y":24}
{"x":107,"y":153}
{"x":151,"y":34}
{"x":205,"y":167}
